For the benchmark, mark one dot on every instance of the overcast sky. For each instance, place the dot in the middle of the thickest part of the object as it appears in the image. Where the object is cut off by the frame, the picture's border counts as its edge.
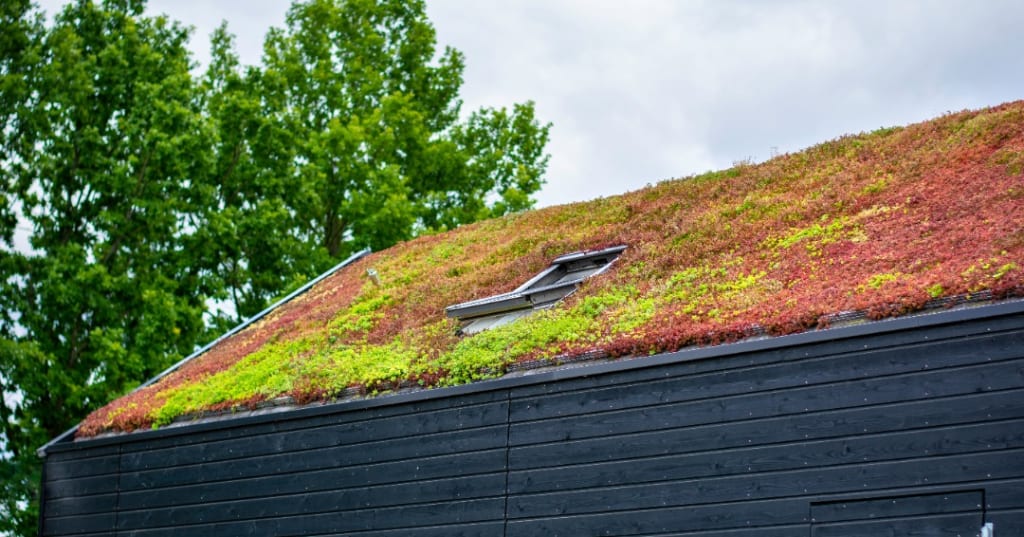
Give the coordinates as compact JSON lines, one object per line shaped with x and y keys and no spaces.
{"x":640,"y":91}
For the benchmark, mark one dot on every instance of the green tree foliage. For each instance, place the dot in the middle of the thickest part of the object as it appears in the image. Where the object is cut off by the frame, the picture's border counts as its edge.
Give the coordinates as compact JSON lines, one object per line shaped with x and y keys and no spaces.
{"x":350,"y":137}
{"x":152,"y":195}
{"x":104,"y":174}
{"x":19,"y":472}
{"x":251,"y":230}
{"x":18,"y":30}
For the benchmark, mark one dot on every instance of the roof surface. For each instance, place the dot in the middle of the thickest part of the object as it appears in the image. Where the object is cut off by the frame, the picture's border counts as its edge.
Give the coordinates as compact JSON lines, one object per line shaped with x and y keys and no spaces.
{"x":881,"y":223}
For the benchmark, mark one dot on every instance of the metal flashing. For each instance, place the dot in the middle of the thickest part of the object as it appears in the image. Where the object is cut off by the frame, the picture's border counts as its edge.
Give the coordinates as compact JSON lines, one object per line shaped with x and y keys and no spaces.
{"x":577,"y":256}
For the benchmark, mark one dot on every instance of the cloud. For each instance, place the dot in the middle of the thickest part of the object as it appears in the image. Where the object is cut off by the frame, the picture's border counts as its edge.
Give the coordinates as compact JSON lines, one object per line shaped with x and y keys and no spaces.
{"x":650,"y":89}
{"x":641,"y":91}
{"x":249,"y":20}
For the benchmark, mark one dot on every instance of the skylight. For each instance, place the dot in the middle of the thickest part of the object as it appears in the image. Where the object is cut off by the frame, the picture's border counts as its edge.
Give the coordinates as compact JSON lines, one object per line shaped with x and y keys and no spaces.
{"x":542,"y":291}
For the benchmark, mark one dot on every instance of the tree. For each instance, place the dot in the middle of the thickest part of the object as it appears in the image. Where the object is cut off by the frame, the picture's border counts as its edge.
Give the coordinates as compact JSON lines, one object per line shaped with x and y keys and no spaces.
{"x":251,"y":231}
{"x":502,"y":164}
{"x":111,"y":146}
{"x":150,"y":194}
{"x":20,"y":29}
{"x":350,"y":137}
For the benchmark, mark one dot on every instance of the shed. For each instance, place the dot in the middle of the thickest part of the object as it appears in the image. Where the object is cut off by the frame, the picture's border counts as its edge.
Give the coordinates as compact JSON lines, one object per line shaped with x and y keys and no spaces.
{"x":830,"y":343}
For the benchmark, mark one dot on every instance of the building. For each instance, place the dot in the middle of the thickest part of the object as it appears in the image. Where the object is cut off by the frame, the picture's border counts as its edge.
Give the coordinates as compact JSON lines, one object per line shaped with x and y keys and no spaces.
{"x":829,"y":344}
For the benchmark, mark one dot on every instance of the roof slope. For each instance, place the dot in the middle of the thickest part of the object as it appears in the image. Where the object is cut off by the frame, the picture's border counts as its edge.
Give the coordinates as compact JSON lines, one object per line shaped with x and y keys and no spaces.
{"x":879,"y":222}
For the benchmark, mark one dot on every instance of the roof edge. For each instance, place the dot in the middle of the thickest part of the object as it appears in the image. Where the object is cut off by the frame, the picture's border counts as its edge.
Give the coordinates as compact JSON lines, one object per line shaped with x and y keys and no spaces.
{"x":962,"y":312}
{"x":41,"y":452}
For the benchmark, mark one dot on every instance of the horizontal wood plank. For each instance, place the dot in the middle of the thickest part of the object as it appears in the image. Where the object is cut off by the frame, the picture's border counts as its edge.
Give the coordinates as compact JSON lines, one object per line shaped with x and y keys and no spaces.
{"x":963,"y":501}
{"x":80,"y":505}
{"x":810,"y":426}
{"x":748,"y":406}
{"x":861,"y":449}
{"x":84,"y":486}
{"x":308,"y":503}
{"x":943,"y":525}
{"x":75,"y":468}
{"x":81,"y":524}
{"x":824,"y":370}
{"x":367,"y":430}
{"x":671,"y":520}
{"x":471,"y":511}
{"x":311,"y":417}
{"x":812,"y":481}
{"x":391,"y":450}
{"x":483,"y":462}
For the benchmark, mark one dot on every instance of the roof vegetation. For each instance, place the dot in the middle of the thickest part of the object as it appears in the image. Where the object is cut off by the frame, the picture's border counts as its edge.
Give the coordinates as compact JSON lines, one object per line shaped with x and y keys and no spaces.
{"x":879,"y":222}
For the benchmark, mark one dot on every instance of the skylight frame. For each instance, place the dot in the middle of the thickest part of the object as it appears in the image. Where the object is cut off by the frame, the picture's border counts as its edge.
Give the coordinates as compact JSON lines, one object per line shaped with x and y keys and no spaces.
{"x":542,"y":291}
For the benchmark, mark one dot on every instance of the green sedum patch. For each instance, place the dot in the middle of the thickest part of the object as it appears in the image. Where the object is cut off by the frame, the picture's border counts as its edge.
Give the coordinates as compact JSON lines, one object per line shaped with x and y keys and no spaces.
{"x":259,"y":374}
{"x":486,"y":354}
{"x":333,"y":370}
{"x":816,"y":236}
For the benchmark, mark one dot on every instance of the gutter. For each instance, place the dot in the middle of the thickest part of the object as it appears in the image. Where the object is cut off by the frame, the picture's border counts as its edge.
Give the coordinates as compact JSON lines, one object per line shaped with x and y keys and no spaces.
{"x":41,"y":452}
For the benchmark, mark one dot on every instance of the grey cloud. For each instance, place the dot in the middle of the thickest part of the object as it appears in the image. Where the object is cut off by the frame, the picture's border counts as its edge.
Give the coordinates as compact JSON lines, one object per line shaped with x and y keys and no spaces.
{"x":645,"y":90}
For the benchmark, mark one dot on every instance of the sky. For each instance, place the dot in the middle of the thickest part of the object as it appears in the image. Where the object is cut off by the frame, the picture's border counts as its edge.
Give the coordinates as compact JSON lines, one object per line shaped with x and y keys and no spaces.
{"x":645,"y":90}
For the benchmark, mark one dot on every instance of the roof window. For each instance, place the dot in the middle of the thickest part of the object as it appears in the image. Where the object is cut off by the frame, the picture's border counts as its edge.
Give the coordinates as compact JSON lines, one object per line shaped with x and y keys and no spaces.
{"x":542,"y":291}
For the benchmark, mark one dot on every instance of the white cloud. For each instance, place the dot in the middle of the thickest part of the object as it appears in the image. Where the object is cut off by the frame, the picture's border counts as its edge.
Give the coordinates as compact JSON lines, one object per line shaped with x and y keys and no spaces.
{"x":649,"y":89}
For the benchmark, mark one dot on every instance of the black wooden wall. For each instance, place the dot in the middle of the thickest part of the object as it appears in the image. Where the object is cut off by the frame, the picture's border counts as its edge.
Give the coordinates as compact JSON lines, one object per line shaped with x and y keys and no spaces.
{"x":905,"y":427}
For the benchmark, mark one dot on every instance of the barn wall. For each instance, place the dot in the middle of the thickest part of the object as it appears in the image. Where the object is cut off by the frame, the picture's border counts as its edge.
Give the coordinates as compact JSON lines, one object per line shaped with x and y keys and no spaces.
{"x":912,"y":426}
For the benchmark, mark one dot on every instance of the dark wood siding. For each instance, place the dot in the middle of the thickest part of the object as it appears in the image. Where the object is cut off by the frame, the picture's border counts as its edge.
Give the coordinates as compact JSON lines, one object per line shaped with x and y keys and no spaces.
{"x":914,"y":427}
{"x":936,"y":514}
{"x":80,"y":491}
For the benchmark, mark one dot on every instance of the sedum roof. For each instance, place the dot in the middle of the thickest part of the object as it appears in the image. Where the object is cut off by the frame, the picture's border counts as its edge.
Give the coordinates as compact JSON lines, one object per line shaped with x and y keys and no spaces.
{"x":881,"y":223}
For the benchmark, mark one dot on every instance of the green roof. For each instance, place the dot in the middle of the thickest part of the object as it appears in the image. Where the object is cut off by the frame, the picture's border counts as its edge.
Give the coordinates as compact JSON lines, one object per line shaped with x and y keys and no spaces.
{"x":880,"y":223}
